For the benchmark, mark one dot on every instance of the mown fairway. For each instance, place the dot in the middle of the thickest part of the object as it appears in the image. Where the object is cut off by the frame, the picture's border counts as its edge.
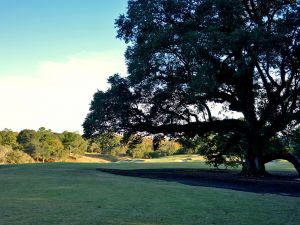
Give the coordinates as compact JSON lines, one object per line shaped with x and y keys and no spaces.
{"x":78,"y":194}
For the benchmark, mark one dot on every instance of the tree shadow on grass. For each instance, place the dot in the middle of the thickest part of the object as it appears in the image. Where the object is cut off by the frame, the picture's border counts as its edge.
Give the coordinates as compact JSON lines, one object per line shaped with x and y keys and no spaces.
{"x":284,"y":184}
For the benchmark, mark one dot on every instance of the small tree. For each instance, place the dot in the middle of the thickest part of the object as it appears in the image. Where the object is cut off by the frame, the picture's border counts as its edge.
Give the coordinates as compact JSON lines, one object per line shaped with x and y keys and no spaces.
{"x":109,"y":143}
{"x":9,"y":138}
{"x":167,"y":148}
{"x":74,"y":143}
{"x":11,"y":156}
{"x":93,"y":147}
{"x":226,"y":149}
{"x":139,"y":147}
{"x":27,"y":139}
{"x":190,"y":145}
{"x":48,"y":147}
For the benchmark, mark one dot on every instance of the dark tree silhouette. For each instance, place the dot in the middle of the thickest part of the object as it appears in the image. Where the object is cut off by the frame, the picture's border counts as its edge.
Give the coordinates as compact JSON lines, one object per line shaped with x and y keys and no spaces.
{"x":185,"y":56}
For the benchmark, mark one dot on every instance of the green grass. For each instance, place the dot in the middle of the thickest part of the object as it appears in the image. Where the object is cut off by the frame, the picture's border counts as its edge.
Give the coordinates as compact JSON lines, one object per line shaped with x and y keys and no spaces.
{"x":62,"y":194}
{"x":280,"y":165}
{"x":177,"y":158}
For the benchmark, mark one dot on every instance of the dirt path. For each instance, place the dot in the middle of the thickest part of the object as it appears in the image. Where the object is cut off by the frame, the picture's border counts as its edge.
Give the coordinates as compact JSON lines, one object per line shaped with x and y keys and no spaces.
{"x":282,"y":185}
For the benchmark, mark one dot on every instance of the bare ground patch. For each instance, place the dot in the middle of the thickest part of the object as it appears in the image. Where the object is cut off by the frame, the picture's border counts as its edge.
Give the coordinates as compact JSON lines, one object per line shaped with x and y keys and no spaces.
{"x":87,"y":159}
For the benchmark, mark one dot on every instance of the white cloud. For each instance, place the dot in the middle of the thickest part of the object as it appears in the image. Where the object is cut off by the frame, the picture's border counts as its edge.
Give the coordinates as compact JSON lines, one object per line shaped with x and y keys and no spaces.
{"x":58,"y":95}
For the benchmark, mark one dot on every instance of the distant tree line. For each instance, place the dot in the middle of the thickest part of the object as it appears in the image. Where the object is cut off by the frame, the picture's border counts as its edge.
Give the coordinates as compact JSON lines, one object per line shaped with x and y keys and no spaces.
{"x":133,"y":146}
{"x":41,"y":146}
{"x":44,"y":145}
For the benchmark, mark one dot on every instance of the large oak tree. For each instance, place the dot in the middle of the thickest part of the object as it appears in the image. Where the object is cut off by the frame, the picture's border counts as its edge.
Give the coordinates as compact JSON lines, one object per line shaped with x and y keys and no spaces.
{"x":186,"y":56}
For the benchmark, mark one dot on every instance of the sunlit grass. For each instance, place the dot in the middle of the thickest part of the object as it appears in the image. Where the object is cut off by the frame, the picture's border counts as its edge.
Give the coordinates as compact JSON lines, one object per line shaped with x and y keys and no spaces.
{"x":73,"y":193}
{"x":280,"y":165}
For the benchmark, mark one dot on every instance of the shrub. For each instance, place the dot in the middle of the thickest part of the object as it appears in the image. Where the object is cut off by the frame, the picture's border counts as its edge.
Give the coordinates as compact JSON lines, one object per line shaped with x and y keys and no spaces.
{"x":18,"y":157}
{"x":3,"y":152}
{"x":10,"y":156}
{"x":224,"y":149}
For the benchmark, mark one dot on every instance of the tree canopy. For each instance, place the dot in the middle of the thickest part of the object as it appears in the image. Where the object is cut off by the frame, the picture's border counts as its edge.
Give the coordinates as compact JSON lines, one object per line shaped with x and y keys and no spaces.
{"x":8,"y":138}
{"x":188,"y":58}
{"x":46,"y":145}
{"x":74,"y":143}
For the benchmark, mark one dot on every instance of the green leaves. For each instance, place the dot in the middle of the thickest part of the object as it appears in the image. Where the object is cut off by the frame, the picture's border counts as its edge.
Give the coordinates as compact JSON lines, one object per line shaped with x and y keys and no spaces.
{"x":8,"y":138}
{"x":186,"y":56}
{"x":74,"y":143}
{"x":45,"y":145}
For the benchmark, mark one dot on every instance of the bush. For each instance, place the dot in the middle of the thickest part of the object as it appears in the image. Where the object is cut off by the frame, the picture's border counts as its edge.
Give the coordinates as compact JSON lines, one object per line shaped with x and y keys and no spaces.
{"x":222,"y":149}
{"x":168,"y":147}
{"x":10,"y":156}
{"x":3,"y":152}
{"x":140,"y":147}
{"x":190,"y":145}
{"x":18,"y":157}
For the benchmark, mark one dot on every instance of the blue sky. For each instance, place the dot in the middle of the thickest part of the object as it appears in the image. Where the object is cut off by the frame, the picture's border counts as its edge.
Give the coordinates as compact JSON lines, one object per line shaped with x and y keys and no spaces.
{"x":35,"y":30}
{"x":54,"y":54}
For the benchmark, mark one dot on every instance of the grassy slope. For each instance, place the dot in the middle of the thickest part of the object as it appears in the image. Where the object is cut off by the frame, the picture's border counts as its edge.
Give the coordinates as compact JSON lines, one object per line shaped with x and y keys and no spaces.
{"x":98,"y":158}
{"x":78,"y":194}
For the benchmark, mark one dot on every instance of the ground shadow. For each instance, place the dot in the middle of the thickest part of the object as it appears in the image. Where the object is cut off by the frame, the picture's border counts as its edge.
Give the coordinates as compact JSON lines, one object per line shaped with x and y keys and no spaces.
{"x":284,"y":184}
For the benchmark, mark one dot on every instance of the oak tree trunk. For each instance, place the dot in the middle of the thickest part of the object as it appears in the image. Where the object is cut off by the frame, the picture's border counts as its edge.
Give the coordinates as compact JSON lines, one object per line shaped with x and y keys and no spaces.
{"x":254,"y":164}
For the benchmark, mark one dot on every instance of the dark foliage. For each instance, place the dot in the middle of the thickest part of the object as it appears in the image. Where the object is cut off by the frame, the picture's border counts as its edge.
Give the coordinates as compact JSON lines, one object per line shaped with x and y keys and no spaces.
{"x":186,"y":56}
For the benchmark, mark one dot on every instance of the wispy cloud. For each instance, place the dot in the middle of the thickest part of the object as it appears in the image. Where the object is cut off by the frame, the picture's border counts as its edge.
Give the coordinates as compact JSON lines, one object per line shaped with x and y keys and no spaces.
{"x":57,"y":96}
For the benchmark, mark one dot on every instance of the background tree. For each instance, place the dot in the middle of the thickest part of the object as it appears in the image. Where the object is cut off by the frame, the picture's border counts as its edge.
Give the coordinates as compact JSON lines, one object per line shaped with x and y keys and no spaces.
{"x":74,"y":143}
{"x":227,"y":149}
{"x":109,"y":143}
{"x":27,"y":139}
{"x":13,"y":156}
{"x":186,"y":57}
{"x":50,"y":146}
{"x":9,"y":138}
{"x":139,"y":147}
{"x":166,"y":148}
{"x":31,"y":143}
{"x":93,"y":147}
{"x":295,"y":142}
{"x":190,"y":145}
{"x":46,"y":145}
